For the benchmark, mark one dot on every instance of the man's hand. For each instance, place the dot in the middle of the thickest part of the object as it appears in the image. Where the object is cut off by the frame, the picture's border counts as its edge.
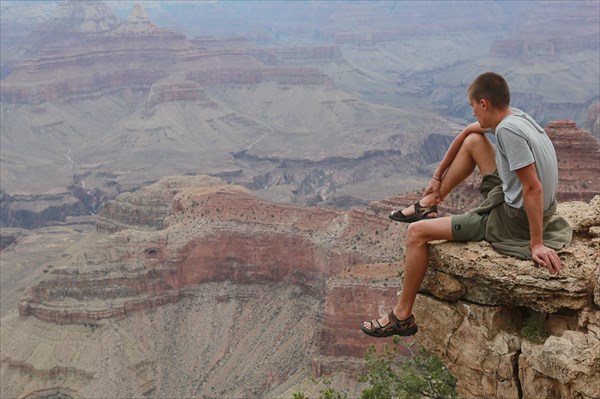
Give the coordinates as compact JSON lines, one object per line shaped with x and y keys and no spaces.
{"x":433,"y":187}
{"x":533,"y":197}
{"x":546,"y":257}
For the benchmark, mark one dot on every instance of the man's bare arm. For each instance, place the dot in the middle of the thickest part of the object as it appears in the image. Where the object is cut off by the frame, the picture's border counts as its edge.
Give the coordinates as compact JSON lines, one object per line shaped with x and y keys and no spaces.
{"x":451,"y":152}
{"x":533,"y":197}
{"x":434,"y":184}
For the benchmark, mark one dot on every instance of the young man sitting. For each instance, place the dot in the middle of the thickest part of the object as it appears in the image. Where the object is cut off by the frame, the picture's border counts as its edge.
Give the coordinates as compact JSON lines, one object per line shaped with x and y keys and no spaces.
{"x":520,"y":178}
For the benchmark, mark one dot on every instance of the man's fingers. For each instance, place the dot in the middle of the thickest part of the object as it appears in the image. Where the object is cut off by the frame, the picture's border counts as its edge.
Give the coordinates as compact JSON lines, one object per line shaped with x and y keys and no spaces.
{"x":553,"y":262}
{"x":550,"y":261}
{"x":556,"y":262}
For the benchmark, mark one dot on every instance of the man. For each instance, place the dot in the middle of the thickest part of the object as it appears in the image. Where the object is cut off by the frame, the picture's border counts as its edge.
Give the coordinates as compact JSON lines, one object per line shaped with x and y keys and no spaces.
{"x":519,"y":187}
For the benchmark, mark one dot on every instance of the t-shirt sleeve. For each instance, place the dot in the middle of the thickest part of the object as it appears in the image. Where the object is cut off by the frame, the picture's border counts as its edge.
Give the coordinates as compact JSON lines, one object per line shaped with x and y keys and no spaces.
{"x":515,"y":147}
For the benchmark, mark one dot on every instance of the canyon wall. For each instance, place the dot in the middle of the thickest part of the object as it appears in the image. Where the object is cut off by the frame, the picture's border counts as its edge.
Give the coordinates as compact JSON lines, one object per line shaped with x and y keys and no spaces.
{"x":180,"y":270}
{"x":186,"y":252}
{"x":578,"y":166}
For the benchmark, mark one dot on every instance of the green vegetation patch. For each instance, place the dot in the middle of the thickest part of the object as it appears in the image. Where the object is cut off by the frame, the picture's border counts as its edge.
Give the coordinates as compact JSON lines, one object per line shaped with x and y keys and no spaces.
{"x":534,"y":330}
{"x":395,"y":375}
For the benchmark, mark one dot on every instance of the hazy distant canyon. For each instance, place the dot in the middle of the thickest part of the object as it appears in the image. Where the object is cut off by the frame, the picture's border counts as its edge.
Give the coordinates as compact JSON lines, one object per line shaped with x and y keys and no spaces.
{"x":312,"y":103}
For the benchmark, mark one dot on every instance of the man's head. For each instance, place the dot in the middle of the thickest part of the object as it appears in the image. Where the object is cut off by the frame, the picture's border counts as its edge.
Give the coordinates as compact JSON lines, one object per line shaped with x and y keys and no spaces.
{"x":492,"y":87}
{"x":489,"y":97}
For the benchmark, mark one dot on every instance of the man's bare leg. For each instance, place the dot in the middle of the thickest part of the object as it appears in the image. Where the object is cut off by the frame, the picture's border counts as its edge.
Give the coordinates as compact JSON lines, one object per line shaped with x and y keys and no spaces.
{"x":416,"y":262}
{"x":476,"y":150}
{"x":417,"y":259}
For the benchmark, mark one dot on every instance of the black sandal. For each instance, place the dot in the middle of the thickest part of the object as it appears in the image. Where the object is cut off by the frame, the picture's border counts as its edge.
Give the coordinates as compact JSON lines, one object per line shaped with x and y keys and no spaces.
{"x":421,"y":213}
{"x":393,"y":327}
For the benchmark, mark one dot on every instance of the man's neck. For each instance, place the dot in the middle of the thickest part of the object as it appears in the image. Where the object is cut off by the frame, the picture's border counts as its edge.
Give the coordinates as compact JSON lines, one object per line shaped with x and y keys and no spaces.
{"x":499,"y":115}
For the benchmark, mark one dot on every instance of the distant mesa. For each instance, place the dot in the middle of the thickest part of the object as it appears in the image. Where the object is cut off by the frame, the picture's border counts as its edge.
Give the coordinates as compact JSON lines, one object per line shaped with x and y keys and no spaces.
{"x":139,"y":22}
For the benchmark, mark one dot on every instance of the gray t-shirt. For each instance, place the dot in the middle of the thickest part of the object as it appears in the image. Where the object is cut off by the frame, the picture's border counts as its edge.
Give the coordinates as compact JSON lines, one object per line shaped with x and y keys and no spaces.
{"x":520,"y":141}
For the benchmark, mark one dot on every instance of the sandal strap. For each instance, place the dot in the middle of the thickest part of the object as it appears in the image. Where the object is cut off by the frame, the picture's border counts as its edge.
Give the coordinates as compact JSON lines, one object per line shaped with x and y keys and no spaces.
{"x":424,"y":210}
{"x":393,"y":327}
{"x":376,"y":327}
{"x":398,"y":322}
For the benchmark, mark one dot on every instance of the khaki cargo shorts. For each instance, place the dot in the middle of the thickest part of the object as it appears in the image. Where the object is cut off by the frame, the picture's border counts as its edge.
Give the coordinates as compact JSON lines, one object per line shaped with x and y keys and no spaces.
{"x":472,"y":226}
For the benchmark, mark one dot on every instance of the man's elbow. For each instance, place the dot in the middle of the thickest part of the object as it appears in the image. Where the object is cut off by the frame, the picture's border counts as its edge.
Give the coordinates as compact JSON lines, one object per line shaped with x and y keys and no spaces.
{"x":533,"y":188}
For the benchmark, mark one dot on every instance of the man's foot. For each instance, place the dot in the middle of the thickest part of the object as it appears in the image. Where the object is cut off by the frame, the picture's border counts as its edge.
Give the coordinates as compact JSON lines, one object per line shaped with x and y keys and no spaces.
{"x":414,"y":213}
{"x":392,"y":326}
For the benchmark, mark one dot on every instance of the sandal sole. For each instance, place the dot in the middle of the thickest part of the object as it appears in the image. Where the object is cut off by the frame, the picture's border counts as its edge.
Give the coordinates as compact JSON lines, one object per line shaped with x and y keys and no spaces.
{"x":410,"y":219}
{"x":404,"y":333}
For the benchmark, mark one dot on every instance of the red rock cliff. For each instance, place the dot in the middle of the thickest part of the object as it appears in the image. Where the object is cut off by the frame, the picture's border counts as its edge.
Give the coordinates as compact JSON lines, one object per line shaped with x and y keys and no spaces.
{"x":578,"y":155}
{"x":209,"y":233}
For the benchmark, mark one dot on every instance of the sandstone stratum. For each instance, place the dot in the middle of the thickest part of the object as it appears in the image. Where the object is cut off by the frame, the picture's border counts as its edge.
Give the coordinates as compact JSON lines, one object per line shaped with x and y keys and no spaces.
{"x":193,"y":287}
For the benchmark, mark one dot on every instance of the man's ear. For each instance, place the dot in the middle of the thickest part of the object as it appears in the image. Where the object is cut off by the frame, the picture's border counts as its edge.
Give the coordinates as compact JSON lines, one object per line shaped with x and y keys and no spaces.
{"x":485,"y":104}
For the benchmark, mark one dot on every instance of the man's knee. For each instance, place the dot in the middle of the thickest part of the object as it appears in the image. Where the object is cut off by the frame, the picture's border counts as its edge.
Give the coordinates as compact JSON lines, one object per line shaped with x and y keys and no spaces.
{"x":476,"y":140}
{"x":422,"y":232}
{"x":482,"y":152}
{"x":415,"y":234}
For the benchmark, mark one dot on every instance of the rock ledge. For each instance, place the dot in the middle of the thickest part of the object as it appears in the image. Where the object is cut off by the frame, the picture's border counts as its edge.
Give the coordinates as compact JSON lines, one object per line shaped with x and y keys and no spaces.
{"x":478,"y":309}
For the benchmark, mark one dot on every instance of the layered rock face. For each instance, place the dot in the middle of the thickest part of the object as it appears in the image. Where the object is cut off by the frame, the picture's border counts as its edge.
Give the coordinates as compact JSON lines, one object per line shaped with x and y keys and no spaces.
{"x":578,"y":165}
{"x":220,"y":256}
{"x":209,"y":233}
{"x":193,"y":282}
{"x":84,"y":35}
{"x":212,"y":342}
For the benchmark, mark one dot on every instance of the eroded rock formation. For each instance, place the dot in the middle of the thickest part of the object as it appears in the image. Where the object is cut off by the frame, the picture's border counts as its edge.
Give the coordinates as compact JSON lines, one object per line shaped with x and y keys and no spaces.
{"x":198,"y":230}
{"x":578,"y":163}
{"x":190,"y":283}
{"x":156,"y":254}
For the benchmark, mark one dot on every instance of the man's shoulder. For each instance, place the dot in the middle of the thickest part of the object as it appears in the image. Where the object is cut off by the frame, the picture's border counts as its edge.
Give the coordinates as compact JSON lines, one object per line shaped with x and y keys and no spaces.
{"x":518,"y":122}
